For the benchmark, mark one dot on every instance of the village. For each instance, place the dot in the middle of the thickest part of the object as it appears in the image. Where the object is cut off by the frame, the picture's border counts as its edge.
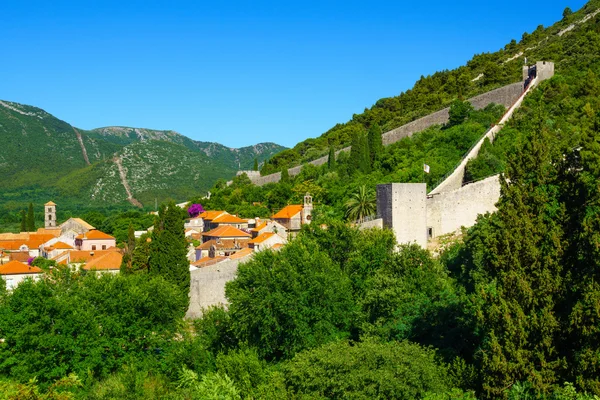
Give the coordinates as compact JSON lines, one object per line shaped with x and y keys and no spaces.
{"x":79,"y":245}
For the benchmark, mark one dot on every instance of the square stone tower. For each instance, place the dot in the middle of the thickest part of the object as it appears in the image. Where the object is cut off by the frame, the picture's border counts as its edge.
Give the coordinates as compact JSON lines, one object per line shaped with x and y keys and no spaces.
{"x":402,"y":207}
{"x":50,"y":212}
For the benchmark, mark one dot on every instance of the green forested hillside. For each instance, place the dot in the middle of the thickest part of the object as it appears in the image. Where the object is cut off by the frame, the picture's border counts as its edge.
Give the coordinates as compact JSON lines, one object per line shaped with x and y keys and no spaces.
{"x":482,"y":73}
{"x":42,"y":158}
{"x":511,"y":311}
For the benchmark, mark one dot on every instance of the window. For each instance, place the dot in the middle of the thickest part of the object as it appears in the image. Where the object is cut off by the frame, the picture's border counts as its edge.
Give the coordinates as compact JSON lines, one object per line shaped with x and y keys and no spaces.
{"x":10,"y":283}
{"x":430,"y":232}
{"x":103,"y":247}
{"x":93,"y":247}
{"x":49,"y":209}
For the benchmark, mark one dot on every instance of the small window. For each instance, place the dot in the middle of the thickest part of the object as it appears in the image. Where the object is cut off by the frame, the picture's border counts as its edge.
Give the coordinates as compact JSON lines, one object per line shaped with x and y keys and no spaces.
{"x":93,"y":247}
{"x":49,"y":209}
{"x":103,"y":247}
{"x":430,"y":233}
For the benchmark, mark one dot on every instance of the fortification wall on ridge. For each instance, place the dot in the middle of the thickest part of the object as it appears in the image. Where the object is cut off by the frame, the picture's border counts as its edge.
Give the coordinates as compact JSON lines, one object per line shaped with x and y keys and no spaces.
{"x":505,"y":95}
{"x":207,"y":286}
{"x":447,"y":212}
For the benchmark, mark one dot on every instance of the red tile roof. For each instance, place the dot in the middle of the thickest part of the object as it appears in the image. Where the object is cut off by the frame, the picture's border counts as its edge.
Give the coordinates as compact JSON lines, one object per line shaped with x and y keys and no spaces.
{"x":17,"y":268}
{"x":241,"y":254}
{"x":207,"y":261}
{"x":95,"y":235}
{"x":109,"y":261}
{"x":226,"y":231}
{"x":210,"y":215}
{"x":288,"y":212}
{"x":228,"y":219}
{"x":262,"y":237}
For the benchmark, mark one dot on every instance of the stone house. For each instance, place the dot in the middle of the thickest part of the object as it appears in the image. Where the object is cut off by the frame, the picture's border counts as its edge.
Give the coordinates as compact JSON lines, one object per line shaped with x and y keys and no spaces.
{"x":15,"y":272}
{"x":266,"y":241}
{"x":293,"y":216}
{"x":94,"y":240}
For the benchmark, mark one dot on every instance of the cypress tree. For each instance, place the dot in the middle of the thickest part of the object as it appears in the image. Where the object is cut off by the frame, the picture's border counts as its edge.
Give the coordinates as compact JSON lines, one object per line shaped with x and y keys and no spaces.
{"x":126,"y":264}
{"x":285,"y":176}
{"x":30,"y":219}
{"x":365,"y":159}
{"x":23,"y":221}
{"x":375,"y":143}
{"x":355,"y":153}
{"x":518,"y":300}
{"x":256,"y":164}
{"x":331,"y":159}
{"x":168,"y":249}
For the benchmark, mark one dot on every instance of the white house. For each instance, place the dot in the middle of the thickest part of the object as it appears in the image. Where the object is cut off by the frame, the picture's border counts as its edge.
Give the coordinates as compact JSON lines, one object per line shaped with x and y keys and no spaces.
{"x":15,"y":272}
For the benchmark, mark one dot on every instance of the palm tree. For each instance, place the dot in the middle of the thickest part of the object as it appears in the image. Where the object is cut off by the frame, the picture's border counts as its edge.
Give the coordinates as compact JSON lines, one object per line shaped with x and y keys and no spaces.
{"x":361,"y":205}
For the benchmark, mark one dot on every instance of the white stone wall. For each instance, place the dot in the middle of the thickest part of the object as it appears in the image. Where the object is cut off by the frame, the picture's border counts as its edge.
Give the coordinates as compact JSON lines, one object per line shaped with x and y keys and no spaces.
{"x":207,"y":286}
{"x":376,"y":223}
{"x":402,"y":207}
{"x":447,"y":212}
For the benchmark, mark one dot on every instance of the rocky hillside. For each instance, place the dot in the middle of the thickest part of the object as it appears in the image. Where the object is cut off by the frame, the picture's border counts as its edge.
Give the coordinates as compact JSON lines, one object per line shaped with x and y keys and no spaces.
{"x":43,"y":157}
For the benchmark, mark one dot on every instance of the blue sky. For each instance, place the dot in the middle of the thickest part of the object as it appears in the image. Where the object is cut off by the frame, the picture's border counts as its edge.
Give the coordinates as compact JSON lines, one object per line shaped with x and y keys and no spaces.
{"x":240,"y":72}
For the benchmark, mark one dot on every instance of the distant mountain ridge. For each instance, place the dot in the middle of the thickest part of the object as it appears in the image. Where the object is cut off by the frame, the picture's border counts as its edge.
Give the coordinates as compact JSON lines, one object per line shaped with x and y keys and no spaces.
{"x":44,"y":157}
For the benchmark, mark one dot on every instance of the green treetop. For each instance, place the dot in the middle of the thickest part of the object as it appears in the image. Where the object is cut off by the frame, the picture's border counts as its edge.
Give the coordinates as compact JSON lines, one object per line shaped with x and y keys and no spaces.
{"x":168,"y":249}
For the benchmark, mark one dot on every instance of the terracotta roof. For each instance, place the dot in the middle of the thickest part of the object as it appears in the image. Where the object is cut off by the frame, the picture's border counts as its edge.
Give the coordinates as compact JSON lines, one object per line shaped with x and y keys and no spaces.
{"x":22,"y":256}
{"x":224,"y":244}
{"x":80,"y":222}
{"x":226,"y":231}
{"x":49,"y":231}
{"x":95,"y":235}
{"x":228,"y":219}
{"x":277,"y":246}
{"x":62,"y":246}
{"x":210,"y":215}
{"x":241,"y":254}
{"x":85,"y":256}
{"x":50,"y":203}
{"x":288,"y":212}
{"x":14,"y":236}
{"x":207,"y":261}
{"x":17,"y":268}
{"x":109,"y":261}
{"x":262,"y":237}
{"x":260,"y":227}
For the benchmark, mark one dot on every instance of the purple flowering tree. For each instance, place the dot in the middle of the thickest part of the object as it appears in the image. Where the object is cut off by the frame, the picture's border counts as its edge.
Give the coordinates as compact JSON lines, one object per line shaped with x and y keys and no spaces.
{"x":30,"y":260}
{"x":194,"y":210}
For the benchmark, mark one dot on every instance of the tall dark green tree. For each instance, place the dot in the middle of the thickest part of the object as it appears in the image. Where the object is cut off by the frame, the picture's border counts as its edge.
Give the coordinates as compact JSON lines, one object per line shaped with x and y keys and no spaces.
{"x":168,"y":249}
{"x":365,"y":159}
{"x":331,"y":159}
{"x":355,"y":153}
{"x":30,"y":219}
{"x":255,"y":164}
{"x":524,"y":284}
{"x":23,"y":221}
{"x":285,"y":176}
{"x":129,"y":248}
{"x":375,"y":143}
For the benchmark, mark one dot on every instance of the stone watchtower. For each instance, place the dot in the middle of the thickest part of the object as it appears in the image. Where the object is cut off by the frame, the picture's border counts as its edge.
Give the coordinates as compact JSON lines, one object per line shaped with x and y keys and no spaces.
{"x":307,"y":209}
{"x":50,"y":211}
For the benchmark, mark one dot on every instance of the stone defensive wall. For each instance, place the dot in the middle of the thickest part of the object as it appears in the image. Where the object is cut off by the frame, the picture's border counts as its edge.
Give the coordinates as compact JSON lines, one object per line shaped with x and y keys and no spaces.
{"x":207,"y":285}
{"x":455,"y":180}
{"x":505,"y":95}
{"x":447,"y":212}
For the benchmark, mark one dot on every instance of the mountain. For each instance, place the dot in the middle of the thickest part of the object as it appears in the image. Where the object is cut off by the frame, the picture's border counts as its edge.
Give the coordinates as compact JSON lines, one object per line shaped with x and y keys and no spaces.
{"x":43,"y":158}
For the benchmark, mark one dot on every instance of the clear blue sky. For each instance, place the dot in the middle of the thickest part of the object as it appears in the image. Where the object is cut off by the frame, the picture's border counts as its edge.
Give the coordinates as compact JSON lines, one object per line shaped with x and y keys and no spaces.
{"x":240,"y":72}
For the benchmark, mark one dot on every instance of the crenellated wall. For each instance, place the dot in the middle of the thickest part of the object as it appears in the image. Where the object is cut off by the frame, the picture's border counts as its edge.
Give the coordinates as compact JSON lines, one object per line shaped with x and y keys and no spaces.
{"x":505,"y":95}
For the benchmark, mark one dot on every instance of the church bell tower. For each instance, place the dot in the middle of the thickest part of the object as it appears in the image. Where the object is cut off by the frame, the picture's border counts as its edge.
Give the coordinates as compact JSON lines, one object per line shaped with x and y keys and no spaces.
{"x":307,"y":209}
{"x":50,"y":212}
